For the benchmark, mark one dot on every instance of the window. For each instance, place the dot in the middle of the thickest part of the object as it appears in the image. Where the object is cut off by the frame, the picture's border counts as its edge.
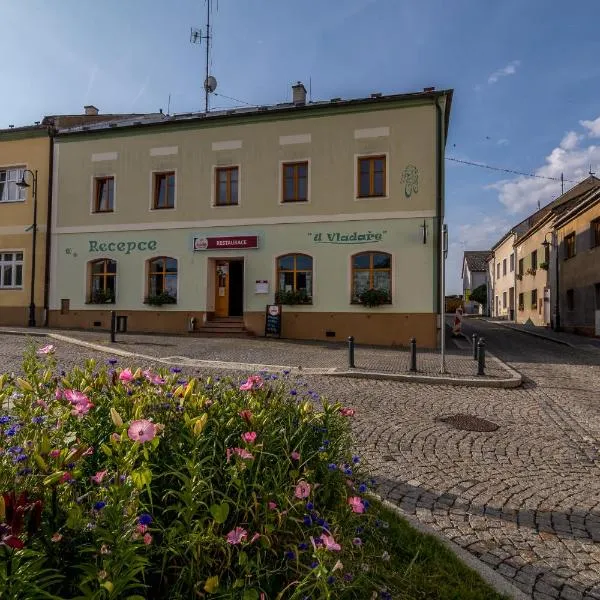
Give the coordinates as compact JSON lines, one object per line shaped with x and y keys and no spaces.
{"x":162,"y":277}
{"x":512,"y":263}
{"x":534,"y":298}
{"x":102,"y":281}
{"x":504,"y":300}
{"x":521,"y":301}
{"x":570,"y":299}
{"x":521,"y":267}
{"x":371,"y":271}
{"x":9,"y":190}
{"x":534,"y":260}
{"x":498,"y":271}
{"x":11,"y":270}
{"x":226,"y":186}
{"x":104,"y":194}
{"x":371,"y":176}
{"x":595,"y":233}
{"x":569,"y":246}
{"x":503,"y":267}
{"x":295,"y":275}
{"x":164,"y":190}
{"x":295,"y":182}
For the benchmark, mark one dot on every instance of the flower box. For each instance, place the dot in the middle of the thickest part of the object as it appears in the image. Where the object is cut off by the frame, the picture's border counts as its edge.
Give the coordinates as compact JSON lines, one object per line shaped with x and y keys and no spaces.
{"x":160,"y":299}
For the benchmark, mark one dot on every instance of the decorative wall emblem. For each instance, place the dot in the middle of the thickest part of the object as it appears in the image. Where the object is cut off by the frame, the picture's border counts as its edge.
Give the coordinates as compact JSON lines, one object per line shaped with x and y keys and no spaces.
{"x":410,"y":179}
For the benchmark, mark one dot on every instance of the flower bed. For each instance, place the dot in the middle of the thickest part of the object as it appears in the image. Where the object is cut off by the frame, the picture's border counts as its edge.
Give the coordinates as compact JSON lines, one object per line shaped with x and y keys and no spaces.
{"x":122,"y":483}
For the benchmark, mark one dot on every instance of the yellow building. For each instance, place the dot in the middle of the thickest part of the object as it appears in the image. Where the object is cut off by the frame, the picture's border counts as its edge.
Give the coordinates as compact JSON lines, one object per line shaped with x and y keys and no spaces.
{"x":578,"y":235}
{"x":25,"y":154}
{"x":197,"y":222}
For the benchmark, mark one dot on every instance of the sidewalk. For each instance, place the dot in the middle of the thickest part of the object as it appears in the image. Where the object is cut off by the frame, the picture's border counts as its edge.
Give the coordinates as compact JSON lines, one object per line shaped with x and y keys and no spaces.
{"x":319,"y":358}
{"x":572,"y":340}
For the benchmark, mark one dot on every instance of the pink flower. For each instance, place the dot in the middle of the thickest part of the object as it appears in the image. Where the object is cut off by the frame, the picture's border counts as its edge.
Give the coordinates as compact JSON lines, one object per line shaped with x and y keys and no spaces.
{"x":42,"y":403}
{"x":246,"y":415}
{"x":237,"y":536}
{"x":58,"y":394}
{"x":49,"y":349}
{"x":272,"y":505}
{"x":254,"y":538}
{"x":302,"y":490}
{"x":228,"y":453}
{"x":126,"y":376}
{"x":79,"y":410}
{"x":329,"y":543}
{"x":254,"y":382}
{"x":249,"y":437}
{"x":295,"y":455}
{"x":141,"y":528}
{"x":115,"y":437}
{"x":54,"y":453}
{"x":356,"y":503}
{"x":56,"y":537}
{"x":241,"y":452}
{"x":141,"y":431}
{"x":153,"y":378}
{"x":98,"y":477}
{"x":347,"y":412}
{"x":147,"y":539}
{"x":89,"y":451}
{"x":66,"y":477}
{"x":76,"y":397}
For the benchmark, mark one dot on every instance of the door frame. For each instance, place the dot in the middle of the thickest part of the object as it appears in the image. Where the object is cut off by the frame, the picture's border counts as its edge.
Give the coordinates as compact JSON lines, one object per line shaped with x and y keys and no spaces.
{"x":211,"y":287}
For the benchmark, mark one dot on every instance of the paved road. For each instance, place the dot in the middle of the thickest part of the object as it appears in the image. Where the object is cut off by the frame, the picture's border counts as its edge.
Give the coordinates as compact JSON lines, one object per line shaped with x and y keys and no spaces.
{"x":525,"y":498}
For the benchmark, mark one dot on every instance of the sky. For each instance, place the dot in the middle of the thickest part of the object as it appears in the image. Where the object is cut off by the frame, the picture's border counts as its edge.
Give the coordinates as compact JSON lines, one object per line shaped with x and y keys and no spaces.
{"x":525,"y":74}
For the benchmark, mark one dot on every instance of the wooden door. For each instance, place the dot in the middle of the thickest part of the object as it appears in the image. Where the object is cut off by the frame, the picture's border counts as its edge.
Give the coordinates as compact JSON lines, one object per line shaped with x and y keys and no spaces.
{"x":222,"y":289}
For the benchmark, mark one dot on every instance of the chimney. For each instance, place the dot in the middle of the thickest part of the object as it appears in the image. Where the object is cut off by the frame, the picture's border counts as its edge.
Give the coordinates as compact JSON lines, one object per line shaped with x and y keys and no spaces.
{"x":91,"y":110}
{"x":299,"y":94}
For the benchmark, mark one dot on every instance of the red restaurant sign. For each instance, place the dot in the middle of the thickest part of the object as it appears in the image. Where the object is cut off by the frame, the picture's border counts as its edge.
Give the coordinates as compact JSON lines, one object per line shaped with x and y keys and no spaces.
{"x":230,"y":242}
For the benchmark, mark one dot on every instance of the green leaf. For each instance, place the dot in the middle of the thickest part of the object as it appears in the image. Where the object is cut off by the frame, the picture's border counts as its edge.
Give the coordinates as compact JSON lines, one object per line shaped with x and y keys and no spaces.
{"x":238,"y":583}
{"x":54,"y":478}
{"x":74,"y":517}
{"x":243,"y":559}
{"x":220,"y":512}
{"x":250,"y":595}
{"x":141,"y":477}
{"x":106,"y":450}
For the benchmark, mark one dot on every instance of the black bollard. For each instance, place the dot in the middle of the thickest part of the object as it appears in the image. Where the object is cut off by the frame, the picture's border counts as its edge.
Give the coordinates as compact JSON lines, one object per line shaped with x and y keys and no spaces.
{"x":413,"y":355}
{"x":481,"y":357}
{"x":351,"y":352}
{"x":474,"y":346}
{"x":113,"y":325}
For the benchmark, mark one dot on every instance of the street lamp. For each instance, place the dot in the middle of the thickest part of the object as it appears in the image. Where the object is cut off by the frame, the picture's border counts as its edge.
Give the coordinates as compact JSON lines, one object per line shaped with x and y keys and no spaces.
{"x":554,"y":246}
{"x":23,"y":184}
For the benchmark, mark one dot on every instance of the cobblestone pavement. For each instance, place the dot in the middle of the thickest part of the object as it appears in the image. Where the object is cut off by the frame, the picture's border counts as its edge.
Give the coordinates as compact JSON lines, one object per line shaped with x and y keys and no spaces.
{"x":285,"y":353}
{"x":525,"y":499}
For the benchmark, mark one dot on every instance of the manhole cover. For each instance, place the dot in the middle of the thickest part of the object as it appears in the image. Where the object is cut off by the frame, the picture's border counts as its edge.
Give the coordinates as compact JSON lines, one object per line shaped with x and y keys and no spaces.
{"x":469,"y":423}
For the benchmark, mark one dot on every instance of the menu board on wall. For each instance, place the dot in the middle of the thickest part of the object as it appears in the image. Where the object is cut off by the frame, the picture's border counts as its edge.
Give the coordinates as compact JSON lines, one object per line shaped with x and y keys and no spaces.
{"x":273,"y":320}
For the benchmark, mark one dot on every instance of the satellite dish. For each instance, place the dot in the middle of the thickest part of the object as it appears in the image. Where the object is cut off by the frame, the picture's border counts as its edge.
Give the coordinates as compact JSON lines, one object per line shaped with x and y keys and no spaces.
{"x":210,"y":85}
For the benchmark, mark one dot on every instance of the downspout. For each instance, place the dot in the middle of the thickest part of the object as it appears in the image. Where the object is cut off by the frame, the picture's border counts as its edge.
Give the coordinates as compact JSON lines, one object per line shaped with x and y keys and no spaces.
{"x":51,"y":133}
{"x":440,"y":213}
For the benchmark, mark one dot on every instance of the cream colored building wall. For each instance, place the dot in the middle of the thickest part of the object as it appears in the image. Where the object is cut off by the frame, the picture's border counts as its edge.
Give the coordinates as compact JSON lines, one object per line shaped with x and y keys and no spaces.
{"x":407,"y":136}
{"x":15,"y":217}
{"x":540,"y":314}
{"x":505,"y":282}
{"x":412,"y":265}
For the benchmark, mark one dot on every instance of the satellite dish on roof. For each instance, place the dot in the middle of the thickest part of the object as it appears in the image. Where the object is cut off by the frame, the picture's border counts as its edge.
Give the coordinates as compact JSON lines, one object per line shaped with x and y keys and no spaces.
{"x":210,"y":85}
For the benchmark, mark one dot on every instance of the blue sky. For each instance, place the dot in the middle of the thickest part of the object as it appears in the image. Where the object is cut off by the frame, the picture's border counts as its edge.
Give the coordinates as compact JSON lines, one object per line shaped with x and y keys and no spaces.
{"x":526,"y":77}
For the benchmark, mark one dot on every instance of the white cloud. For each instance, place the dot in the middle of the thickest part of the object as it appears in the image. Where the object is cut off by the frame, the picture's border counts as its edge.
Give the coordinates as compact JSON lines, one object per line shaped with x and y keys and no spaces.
{"x":479,"y":235}
{"x":502,"y":142}
{"x":509,"y":69}
{"x":593,"y":127}
{"x":568,"y":158}
{"x":570,"y":141}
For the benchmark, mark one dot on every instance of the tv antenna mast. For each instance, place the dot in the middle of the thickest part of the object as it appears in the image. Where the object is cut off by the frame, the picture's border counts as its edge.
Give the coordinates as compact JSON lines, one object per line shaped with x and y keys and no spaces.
{"x":196,"y":37}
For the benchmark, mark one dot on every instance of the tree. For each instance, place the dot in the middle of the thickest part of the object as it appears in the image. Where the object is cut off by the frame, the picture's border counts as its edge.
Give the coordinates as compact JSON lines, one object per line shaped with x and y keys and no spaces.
{"x":479,"y":294}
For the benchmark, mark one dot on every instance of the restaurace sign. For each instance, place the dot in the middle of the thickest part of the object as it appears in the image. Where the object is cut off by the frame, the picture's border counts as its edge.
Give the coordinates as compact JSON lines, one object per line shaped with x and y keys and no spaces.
{"x":335,"y":237}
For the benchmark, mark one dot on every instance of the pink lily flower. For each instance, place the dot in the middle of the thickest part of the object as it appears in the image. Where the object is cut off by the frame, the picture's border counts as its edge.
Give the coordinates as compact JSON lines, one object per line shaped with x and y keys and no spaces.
{"x":48,"y":349}
{"x":254,"y":382}
{"x":153,"y":378}
{"x":98,"y":477}
{"x":141,"y":431}
{"x":126,"y":376}
{"x":356,"y":504}
{"x":302,"y":490}
{"x":237,"y":536}
{"x":329,"y":543}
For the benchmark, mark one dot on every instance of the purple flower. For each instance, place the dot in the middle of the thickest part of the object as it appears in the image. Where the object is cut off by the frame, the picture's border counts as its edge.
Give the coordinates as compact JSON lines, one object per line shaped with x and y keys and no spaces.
{"x":348,"y":577}
{"x":289,"y":555}
{"x":348,"y":471}
{"x":303,"y":546}
{"x":25,"y":471}
{"x":293,"y":392}
{"x":356,"y":459}
{"x":326,"y":442}
{"x":331,"y":579}
{"x":112,"y":361}
{"x":357,"y":541}
{"x":5,"y":419}
{"x":145,"y":519}
{"x":314,"y":564}
{"x":175,"y":370}
{"x":99,"y":505}
{"x":19,"y":458}
{"x":37,"y":420}
{"x":13,"y":430}
{"x":332,"y":466}
{"x":307,"y":520}
{"x":362,"y":488}
{"x":309,"y":506}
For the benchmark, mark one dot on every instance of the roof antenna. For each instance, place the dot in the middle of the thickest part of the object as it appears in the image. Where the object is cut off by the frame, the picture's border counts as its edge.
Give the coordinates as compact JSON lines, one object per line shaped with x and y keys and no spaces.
{"x":196,"y":37}
{"x":169,"y":105}
{"x":592,"y":173}
{"x":539,"y":206}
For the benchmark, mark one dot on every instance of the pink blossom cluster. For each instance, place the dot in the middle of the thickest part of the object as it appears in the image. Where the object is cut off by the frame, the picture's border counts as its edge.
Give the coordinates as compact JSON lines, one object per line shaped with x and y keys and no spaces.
{"x":241,"y":452}
{"x":80,"y":402}
{"x":254,"y":382}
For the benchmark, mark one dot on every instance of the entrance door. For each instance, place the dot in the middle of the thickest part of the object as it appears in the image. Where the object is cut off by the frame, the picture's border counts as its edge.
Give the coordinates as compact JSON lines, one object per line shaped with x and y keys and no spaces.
{"x":222,"y":288}
{"x":236,"y":288}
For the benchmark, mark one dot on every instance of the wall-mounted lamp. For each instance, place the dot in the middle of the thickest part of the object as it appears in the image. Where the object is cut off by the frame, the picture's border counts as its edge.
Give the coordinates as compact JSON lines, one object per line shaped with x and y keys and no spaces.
{"x":424,"y":231}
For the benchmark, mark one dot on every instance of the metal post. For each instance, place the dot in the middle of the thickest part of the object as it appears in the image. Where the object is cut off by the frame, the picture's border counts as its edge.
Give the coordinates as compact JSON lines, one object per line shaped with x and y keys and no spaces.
{"x":31,"y":320}
{"x":557,"y":315}
{"x":474,"y":346}
{"x":481,"y":357}
{"x":113,"y":325}
{"x":413,"y":355}
{"x":351,"y":352}
{"x":443,"y":252}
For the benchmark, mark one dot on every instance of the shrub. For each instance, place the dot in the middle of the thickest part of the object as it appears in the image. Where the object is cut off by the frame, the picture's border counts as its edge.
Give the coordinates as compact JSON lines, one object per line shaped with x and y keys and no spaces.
{"x":160,"y":299}
{"x":374,"y":297}
{"x":102,"y":297}
{"x":292,"y":297}
{"x":125,"y":483}
{"x":544,"y":266}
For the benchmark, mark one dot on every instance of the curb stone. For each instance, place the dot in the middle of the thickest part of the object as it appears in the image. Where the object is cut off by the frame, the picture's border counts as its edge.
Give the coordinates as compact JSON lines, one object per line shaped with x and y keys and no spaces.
{"x":489,"y":575}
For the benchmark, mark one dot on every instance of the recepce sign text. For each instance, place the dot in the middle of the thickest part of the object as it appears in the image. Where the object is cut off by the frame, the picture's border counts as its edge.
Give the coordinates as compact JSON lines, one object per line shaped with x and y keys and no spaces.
{"x":126,"y":247}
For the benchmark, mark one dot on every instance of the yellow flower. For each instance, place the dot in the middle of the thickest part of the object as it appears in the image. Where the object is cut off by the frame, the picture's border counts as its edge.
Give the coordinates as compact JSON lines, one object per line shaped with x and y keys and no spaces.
{"x":212,"y":584}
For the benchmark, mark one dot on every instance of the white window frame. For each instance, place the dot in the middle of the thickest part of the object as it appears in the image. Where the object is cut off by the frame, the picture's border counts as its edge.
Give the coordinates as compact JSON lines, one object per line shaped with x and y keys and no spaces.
{"x":19,"y":171}
{"x":13,"y":263}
